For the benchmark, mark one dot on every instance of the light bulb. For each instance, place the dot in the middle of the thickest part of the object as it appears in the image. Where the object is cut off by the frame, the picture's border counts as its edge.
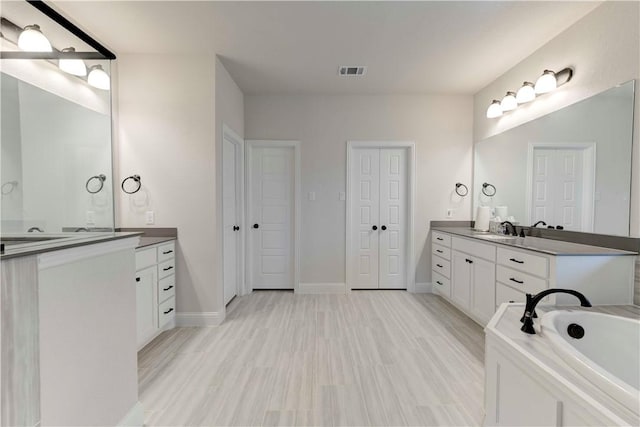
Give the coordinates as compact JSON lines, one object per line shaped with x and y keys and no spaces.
{"x":31,"y":39}
{"x":98,"y":78}
{"x":494,"y":110}
{"x":72,"y":66}
{"x":546,"y":82}
{"x":509,"y":102}
{"x":526,"y":93}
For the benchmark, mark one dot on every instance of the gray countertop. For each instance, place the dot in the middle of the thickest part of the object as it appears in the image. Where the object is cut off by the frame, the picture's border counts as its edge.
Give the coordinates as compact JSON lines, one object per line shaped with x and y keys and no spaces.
{"x":60,"y":241}
{"x":537,"y":244}
{"x":148,"y":241}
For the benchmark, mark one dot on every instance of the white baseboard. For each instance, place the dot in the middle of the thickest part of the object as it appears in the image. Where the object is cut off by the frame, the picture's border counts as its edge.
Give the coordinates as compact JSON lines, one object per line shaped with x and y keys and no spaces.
{"x":424,"y":288}
{"x":321,"y":288}
{"x":134,"y":418}
{"x":211,"y":318}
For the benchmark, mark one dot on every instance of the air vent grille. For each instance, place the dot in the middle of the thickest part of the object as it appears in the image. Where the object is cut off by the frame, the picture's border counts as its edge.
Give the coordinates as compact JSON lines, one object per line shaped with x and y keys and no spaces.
{"x":352,"y":70}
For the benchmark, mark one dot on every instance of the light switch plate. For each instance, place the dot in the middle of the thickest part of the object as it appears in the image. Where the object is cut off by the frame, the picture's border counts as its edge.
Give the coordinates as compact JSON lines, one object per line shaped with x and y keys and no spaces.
{"x":450,"y":212}
{"x":90,"y":218}
{"x":342,"y":196}
{"x":150,"y":217}
{"x":312,"y":195}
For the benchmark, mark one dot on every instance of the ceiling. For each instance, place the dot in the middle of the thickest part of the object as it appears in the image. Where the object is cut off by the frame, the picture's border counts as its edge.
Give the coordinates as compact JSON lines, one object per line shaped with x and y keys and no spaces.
{"x":296,"y":47}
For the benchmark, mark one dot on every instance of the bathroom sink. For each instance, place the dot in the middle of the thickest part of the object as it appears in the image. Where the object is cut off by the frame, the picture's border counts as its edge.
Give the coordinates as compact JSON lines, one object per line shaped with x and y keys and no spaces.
{"x":498,"y":237}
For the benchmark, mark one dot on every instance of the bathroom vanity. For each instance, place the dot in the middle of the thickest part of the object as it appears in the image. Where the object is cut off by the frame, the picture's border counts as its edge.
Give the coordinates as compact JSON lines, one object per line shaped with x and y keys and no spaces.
{"x":478,"y":271}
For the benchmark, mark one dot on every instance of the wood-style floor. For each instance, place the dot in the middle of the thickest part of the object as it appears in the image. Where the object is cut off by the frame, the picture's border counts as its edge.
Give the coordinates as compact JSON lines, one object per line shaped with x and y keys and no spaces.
{"x":383,"y":358}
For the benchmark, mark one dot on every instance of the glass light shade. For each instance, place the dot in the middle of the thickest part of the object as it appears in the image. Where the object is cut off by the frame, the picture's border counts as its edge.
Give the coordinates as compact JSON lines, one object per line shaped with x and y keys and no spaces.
{"x":31,"y":39}
{"x":546,"y":82}
{"x":526,"y":93}
{"x":98,"y":78}
{"x":494,"y":110}
{"x":72,"y":66}
{"x":509,"y":102}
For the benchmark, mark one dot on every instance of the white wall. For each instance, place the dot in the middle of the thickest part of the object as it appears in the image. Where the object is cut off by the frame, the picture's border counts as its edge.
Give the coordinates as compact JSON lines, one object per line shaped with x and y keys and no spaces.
{"x":441,"y":127}
{"x":604,"y":50}
{"x":166,"y":134}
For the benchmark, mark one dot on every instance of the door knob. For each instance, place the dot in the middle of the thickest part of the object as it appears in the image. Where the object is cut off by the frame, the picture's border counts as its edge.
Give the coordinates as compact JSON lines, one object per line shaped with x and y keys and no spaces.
{"x":374,"y":228}
{"x":256,"y":226}
{"x":236,"y":228}
{"x":384,"y":227}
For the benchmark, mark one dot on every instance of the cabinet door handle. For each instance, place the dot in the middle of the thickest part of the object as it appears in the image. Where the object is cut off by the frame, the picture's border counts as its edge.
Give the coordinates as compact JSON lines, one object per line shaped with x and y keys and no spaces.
{"x":516,"y":280}
{"x":468,"y":260}
{"x":374,"y":228}
{"x":167,"y":268}
{"x":256,"y":226}
{"x":438,"y":265}
{"x":167,"y":252}
{"x":168,"y":311}
{"x":516,"y":260}
{"x":439,"y":238}
{"x":137,"y":279}
{"x":439,"y":251}
{"x":439,"y":282}
{"x":166,"y":289}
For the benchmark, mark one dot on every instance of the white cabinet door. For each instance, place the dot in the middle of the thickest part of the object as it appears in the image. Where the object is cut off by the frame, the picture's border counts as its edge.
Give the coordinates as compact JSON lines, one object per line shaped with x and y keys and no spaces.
{"x":393,"y":218}
{"x":483,"y":289}
{"x":365,"y":215}
{"x":461,"y":279}
{"x":230,"y":219}
{"x":146,"y":304}
{"x":271,"y":217}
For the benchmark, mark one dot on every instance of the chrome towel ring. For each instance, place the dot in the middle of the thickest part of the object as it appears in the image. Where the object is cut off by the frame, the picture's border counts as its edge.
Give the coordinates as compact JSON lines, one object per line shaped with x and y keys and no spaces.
{"x":461,"y":189}
{"x":136,"y":179}
{"x":101,"y":179}
{"x":488,"y":189}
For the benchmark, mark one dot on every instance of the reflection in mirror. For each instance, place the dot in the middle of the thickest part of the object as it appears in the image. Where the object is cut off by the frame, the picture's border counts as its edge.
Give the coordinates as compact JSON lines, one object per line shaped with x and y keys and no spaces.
{"x":51,"y":147}
{"x":570,"y":168}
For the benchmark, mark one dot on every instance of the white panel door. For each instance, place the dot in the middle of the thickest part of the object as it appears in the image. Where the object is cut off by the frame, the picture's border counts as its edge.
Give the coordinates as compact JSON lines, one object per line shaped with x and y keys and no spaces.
{"x":365,"y":211}
{"x":393,"y":218}
{"x":271,"y":217}
{"x":230,"y":219}
{"x":558,"y":178}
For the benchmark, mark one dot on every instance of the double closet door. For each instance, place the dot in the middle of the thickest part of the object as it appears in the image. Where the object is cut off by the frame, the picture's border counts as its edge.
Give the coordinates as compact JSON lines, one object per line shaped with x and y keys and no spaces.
{"x":378,"y":197}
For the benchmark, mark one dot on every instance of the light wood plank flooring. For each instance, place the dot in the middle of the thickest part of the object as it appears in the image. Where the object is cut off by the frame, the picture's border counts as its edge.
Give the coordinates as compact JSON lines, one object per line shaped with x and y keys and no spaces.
{"x":383,"y":358}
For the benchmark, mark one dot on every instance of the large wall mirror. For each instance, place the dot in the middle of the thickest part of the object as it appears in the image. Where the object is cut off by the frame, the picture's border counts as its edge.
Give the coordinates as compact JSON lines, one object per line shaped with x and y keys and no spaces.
{"x":56,"y":171}
{"x":571,"y":167}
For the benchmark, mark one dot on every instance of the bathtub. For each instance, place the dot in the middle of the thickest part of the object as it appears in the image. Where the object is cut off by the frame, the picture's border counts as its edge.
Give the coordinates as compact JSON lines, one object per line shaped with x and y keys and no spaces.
{"x":608,"y":354}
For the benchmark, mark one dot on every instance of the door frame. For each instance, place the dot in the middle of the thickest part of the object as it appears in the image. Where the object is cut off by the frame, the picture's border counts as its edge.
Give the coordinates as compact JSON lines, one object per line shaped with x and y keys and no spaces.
{"x":589,"y":178}
{"x":250,"y":144}
{"x":410,"y":146}
{"x":230,"y":135}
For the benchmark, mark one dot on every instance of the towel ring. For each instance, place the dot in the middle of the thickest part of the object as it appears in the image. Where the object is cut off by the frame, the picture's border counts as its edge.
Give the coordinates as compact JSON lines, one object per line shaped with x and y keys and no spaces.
{"x":8,"y":187}
{"x":491,"y":189}
{"x":464,"y":191}
{"x":101,"y":179}
{"x":137,"y":179}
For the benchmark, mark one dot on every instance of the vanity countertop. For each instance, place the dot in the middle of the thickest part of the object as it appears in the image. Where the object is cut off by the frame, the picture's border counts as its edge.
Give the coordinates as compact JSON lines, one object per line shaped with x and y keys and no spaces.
{"x":154,"y":240}
{"x":537,"y":244}
{"x":59,"y":241}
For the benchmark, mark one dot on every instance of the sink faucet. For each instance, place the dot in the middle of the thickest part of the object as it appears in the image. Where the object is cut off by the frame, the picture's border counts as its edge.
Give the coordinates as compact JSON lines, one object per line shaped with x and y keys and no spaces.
{"x":539,"y":222}
{"x":533,"y":300}
{"x":32,"y":229}
{"x":513,"y":228}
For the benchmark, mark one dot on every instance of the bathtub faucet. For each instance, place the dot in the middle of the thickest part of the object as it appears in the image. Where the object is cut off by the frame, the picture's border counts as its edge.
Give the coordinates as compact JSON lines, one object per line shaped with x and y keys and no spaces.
{"x":533,"y":300}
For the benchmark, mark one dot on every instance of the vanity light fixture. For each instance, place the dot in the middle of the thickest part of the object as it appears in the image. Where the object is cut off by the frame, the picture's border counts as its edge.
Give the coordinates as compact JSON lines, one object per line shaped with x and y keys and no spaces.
{"x":31,"y":39}
{"x":546,"y":82}
{"x":526,"y":93}
{"x":494,"y":110}
{"x":72,"y":66}
{"x":98,"y":78}
{"x":509,"y":102}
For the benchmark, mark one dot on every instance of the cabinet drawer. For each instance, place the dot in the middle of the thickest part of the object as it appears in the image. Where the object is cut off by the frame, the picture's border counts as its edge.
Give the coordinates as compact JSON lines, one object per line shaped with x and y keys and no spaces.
{"x":441,"y":251}
{"x":441,"y":238}
{"x":145,"y":258}
{"x":441,"y":284}
{"x":166,"y":251}
{"x":519,"y":280}
{"x":471,"y":247}
{"x":166,"y":268}
{"x":166,"y":288}
{"x":524,"y":261}
{"x":166,"y":312}
{"x":441,"y":266}
{"x":507,"y":294}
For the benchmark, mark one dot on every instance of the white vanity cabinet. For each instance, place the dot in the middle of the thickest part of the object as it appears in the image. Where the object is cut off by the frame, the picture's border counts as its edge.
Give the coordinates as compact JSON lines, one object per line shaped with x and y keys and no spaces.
{"x":155,"y":290}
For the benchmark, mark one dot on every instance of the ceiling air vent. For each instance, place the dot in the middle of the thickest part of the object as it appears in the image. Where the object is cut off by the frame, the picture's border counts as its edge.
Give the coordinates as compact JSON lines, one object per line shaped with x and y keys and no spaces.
{"x":352,"y":70}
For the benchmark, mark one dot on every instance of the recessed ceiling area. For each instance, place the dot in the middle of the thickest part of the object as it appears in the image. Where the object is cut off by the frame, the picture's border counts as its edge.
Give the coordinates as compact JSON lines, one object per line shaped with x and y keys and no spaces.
{"x":296,"y":47}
